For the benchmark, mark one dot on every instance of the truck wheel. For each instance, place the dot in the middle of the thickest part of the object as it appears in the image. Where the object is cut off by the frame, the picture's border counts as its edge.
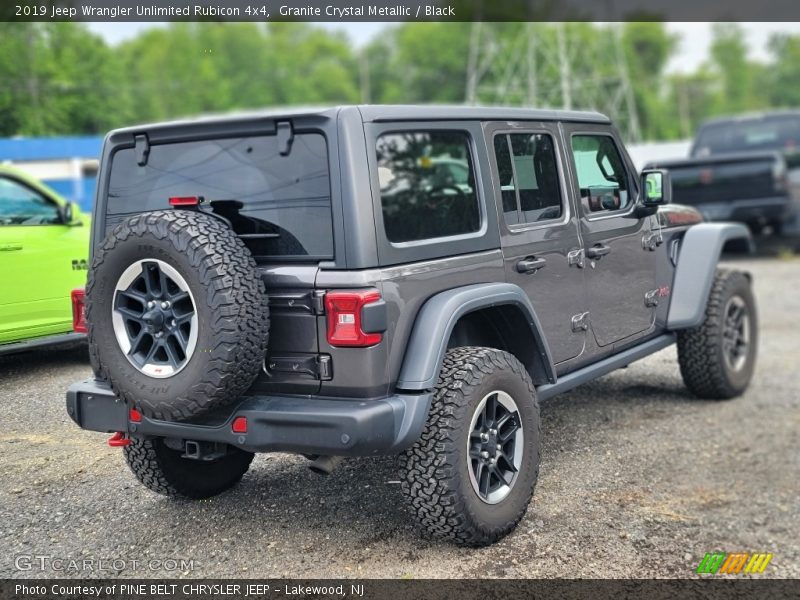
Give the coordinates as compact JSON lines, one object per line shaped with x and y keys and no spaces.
{"x":162,"y":470}
{"x":470,"y":476}
{"x":717,"y":358}
{"x":177,"y":314}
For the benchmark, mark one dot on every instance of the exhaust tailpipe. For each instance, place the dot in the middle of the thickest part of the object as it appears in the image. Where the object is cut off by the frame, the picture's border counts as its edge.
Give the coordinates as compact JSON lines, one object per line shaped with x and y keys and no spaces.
{"x":324,"y":465}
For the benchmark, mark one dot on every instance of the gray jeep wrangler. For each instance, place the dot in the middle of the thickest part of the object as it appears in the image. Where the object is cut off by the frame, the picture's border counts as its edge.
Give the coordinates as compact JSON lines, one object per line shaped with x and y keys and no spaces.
{"x":366,"y":280}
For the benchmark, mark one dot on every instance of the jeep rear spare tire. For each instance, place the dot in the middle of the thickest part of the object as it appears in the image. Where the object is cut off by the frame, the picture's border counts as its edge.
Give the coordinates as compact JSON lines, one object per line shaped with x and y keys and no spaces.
{"x":177,"y":314}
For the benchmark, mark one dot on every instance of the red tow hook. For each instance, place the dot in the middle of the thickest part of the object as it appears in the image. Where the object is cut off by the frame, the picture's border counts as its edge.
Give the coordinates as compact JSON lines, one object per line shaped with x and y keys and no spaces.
{"x":118,"y":440}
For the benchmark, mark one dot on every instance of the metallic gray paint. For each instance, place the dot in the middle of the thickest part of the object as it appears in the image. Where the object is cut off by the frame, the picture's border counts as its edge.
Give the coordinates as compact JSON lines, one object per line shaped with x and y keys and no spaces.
{"x":558,"y":289}
{"x":428,"y":344}
{"x":617,"y":282}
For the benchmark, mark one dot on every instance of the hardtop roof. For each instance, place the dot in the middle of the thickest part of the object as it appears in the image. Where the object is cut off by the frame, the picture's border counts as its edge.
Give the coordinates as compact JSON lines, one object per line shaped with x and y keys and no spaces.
{"x":384,"y":112}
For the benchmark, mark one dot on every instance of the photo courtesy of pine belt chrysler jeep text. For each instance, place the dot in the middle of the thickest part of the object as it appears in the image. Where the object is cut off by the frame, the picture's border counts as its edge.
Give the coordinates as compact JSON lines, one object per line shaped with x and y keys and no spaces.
{"x":406,"y":280}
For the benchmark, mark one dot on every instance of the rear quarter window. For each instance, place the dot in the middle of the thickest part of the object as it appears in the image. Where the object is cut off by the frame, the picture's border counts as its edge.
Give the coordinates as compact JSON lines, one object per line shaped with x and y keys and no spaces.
{"x":427,"y":185}
{"x":281,"y":204}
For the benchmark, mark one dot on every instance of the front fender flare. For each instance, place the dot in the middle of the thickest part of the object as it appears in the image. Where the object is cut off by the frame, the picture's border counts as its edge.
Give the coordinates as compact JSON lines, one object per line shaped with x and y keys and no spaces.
{"x":439,"y":315}
{"x":697,"y":263}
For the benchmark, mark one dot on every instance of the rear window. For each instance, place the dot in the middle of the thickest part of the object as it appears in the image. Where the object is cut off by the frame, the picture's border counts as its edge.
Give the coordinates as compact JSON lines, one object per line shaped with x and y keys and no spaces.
{"x":774,"y":133}
{"x":280,"y":204}
{"x":427,"y":184}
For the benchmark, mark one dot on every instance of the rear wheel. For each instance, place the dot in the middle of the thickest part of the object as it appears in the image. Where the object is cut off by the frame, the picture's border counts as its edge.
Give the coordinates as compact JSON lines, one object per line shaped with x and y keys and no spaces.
{"x":717,"y":358}
{"x":470,"y":476}
{"x":163,"y":470}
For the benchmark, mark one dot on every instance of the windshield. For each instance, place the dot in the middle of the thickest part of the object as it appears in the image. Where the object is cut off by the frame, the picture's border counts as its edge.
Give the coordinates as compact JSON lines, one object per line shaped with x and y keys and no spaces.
{"x":280,"y":204}
{"x":773,"y":133}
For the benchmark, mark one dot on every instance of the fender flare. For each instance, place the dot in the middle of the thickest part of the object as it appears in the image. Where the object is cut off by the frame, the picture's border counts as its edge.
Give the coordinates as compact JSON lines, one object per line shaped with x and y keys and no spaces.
{"x":427,"y":344}
{"x":699,"y":254}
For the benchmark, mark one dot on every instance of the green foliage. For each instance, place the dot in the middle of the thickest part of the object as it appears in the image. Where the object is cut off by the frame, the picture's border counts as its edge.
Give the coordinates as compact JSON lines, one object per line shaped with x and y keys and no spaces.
{"x":419,"y":62}
{"x":59,"y":78}
{"x":56,"y":79}
{"x":782,"y":82}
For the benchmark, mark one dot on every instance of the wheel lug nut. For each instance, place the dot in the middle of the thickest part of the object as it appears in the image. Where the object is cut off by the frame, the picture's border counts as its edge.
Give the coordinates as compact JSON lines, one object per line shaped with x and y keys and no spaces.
{"x":165,"y":304}
{"x":484,"y":436}
{"x":484,"y":454}
{"x":491,"y":461}
{"x":172,"y":322}
{"x":151,"y":304}
{"x":159,"y":334}
{"x":499,"y":447}
{"x":493,"y":431}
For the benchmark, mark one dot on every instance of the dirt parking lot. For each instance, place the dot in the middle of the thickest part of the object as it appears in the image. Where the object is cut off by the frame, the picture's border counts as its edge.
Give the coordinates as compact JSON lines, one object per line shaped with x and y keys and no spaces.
{"x":638,"y":479}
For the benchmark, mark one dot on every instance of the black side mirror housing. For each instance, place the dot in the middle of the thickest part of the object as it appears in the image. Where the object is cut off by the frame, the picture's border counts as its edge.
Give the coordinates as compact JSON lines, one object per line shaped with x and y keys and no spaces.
{"x":656,"y":188}
{"x":69,"y":214}
{"x":65,"y":211}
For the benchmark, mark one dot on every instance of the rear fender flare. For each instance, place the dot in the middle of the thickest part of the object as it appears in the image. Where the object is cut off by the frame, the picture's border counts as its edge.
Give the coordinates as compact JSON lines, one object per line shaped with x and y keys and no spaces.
{"x":438,"y":316}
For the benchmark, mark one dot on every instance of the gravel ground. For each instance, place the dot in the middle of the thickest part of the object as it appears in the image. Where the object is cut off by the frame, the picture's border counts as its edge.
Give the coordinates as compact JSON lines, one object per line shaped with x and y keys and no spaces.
{"x":638,"y":479}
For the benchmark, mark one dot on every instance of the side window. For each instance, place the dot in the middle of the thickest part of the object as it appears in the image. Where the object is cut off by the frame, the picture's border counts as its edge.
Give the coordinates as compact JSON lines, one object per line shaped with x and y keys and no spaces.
{"x":602,"y":178}
{"x":528,"y":172}
{"x":21,"y":205}
{"x":427,"y":184}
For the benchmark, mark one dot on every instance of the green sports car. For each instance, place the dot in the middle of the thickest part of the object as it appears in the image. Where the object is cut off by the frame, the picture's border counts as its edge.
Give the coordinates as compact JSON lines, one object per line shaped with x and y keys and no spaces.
{"x":44,"y":249}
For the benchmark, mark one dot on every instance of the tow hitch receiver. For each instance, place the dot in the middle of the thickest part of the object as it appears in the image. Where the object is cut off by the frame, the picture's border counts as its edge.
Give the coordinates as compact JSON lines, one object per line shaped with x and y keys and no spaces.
{"x":118,"y":440}
{"x":206,"y":451}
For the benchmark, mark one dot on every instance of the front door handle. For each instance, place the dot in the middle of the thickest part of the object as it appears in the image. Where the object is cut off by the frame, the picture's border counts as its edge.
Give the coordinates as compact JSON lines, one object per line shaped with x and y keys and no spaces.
{"x":530,"y":264}
{"x":598,"y":251}
{"x":10,"y":247}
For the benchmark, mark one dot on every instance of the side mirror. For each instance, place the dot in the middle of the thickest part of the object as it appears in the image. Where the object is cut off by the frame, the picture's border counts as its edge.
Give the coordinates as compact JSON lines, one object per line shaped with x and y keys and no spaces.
{"x":70,"y":214}
{"x":656,"y":187}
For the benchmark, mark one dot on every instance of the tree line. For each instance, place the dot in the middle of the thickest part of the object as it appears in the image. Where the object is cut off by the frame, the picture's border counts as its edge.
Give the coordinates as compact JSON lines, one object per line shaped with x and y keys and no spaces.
{"x":61,"y":78}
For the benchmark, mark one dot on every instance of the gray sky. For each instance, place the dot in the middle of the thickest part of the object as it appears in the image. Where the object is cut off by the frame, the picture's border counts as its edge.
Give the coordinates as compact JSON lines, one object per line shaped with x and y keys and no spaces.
{"x":693,"y":50}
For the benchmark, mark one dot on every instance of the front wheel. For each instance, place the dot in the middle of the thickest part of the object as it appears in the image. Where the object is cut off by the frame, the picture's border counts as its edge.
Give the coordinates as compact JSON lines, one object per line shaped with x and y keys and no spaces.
{"x":470,"y":476}
{"x":718,"y":357}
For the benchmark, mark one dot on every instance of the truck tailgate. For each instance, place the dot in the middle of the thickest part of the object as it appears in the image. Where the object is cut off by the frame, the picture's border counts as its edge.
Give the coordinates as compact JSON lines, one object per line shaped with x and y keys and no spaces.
{"x":726,"y":178}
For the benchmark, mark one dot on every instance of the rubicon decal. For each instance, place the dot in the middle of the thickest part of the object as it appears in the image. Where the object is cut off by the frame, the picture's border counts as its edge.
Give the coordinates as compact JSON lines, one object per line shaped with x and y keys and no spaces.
{"x":734,"y":563}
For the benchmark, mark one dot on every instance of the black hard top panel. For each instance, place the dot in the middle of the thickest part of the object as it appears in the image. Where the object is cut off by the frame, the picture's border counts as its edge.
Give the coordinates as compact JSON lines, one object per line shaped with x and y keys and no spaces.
{"x":378,"y":112}
{"x":438,"y":112}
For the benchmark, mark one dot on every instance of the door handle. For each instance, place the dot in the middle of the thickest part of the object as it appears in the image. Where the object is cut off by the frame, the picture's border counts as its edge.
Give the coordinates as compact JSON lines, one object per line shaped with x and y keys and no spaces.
{"x":530,"y":264}
{"x":598,"y":251}
{"x":10,"y":247}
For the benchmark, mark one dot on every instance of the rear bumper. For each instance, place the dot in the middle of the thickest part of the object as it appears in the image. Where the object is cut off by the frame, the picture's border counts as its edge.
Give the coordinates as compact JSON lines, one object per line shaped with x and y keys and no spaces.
{"x":339,"y":427}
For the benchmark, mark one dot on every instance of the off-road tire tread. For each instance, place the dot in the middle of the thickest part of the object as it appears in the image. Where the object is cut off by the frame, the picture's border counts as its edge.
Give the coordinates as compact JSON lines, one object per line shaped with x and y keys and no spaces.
{"x":427,"y":471}
{"x":235,"y":295}
{"x":701,"y":370}
{"x":143,"y":459}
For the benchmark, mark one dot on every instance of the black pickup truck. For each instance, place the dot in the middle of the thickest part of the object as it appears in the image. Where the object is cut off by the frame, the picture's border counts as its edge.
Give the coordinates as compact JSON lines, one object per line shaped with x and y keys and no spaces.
{"x":744,"y":169}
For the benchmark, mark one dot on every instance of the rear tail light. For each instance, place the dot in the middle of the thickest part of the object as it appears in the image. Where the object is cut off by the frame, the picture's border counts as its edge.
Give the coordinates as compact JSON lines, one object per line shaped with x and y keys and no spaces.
{"x":345,"y":325}
{"x":79,"y":311}
{"x":184,"y":201}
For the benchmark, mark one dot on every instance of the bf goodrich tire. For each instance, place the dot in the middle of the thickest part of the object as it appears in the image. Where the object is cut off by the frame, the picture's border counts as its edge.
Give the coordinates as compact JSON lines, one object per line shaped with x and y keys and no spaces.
{"x":163,"y":470}
{"x":470,"y":476}
{"x":177,"y":314}
{"x":717,"y":358}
